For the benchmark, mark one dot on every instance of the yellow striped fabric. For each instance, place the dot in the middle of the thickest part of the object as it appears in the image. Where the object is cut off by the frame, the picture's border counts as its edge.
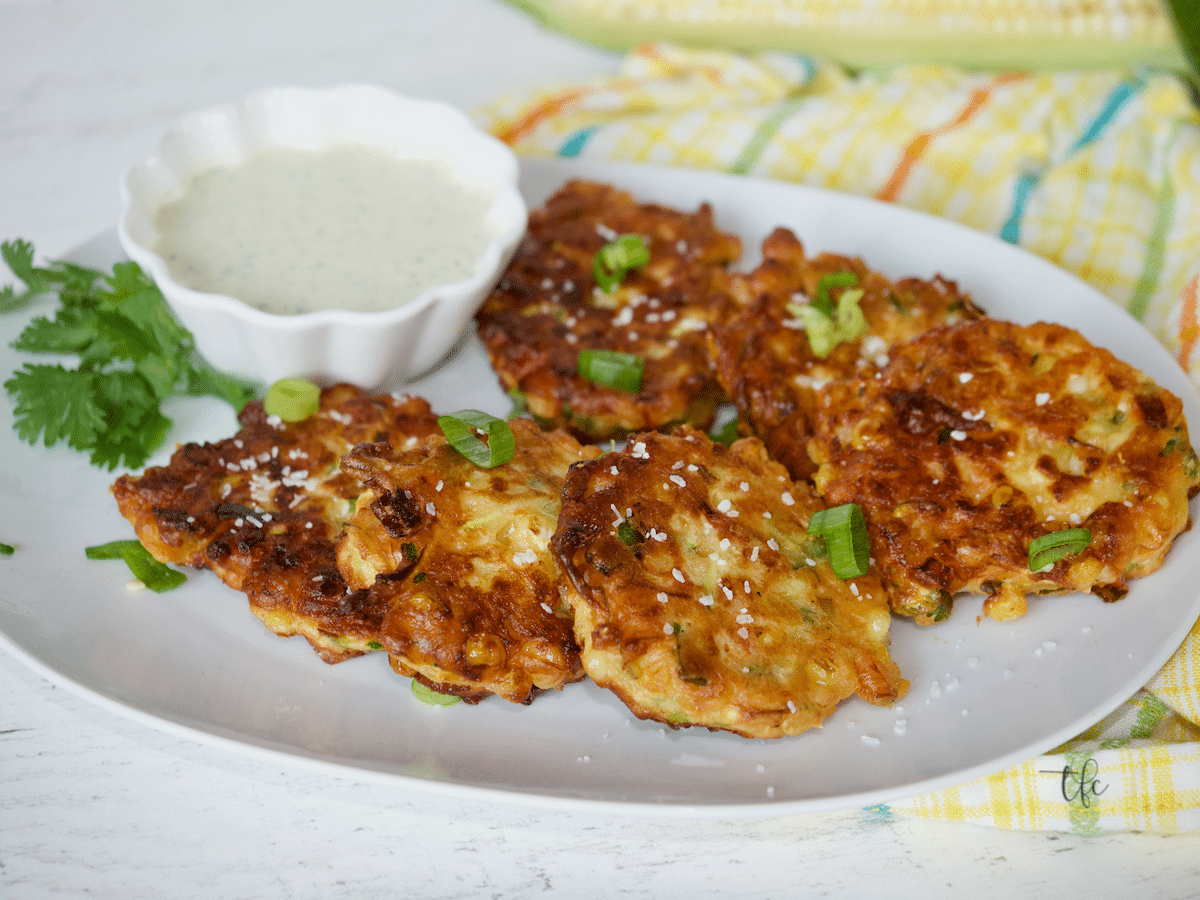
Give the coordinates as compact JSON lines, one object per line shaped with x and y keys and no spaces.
{"x":1097,"y":171}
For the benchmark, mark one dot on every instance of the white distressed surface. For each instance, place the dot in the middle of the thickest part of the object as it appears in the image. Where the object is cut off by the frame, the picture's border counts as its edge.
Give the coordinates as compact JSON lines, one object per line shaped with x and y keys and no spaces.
{"x":94,"y":804}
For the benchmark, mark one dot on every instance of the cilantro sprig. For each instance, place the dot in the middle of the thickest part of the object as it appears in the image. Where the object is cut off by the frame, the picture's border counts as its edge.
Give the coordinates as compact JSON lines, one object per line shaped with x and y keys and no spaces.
{"x":132,"y":354}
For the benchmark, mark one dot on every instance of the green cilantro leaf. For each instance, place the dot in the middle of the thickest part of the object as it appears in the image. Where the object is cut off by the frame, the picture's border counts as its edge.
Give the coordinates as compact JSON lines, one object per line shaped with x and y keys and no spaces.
{"x":18,"y":256}
{"x":138,"y":300}
{"x":136,"y":426}
{"x":68,"y":278}
{"x":115,"y":338}
{"x":70,"y":331}
{"x":56,"y":403}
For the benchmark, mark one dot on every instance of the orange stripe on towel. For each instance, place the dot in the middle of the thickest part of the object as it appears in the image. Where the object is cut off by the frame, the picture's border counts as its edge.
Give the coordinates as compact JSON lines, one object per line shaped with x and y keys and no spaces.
{"x":916,"y":147}
{"x":1189,"y":322}
{"x":551,"y":106}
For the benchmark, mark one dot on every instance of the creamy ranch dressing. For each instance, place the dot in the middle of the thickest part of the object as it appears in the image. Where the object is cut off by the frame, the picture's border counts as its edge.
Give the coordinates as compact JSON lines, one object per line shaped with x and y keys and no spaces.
{"x":348,"y":227}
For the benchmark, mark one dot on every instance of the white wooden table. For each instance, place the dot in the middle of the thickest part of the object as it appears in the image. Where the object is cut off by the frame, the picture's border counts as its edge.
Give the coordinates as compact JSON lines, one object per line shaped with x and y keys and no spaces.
{"x":94,"y":803}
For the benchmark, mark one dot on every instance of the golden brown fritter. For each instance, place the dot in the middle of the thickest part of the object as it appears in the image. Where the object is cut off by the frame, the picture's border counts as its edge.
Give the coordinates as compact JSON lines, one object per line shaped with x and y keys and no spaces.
{"x":263,"y":509}
{"x":547,"y":307}
{"x":461,"y":555}
{"x":763,"y":358}
{"x":980,"y":437}
{"x":699,"y":598}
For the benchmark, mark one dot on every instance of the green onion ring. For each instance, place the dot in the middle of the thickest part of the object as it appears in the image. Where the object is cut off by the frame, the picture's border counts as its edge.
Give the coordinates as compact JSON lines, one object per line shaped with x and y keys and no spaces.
{"x":292,"y":399}
{"x":826,"y":330}
{"x":849,"y":318}
{"x":823,"y":301}
{"x":1050,"y":548}
{"x":616,"y":258}
{"x":430,"y":697}
{"x":726,"y":434}
{"x":612,"y":369}
{"x":459,"y":429}
{"x":821,"y":331}
{"x":845,"y":533}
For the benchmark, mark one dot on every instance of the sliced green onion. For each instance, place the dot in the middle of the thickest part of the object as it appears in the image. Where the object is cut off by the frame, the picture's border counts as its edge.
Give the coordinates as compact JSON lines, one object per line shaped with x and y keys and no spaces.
{"x":292,"y":399}
{"x":616,"y":258}
{"x":7,"y":549}
{"x":149,"y":571}
{"x":429,"y":696}
{"x":825,"y":332}
{"x":612,"y":369}
{"x":849,"y":317}
{"x":111,"y":550}
{"x":460,"y":427}
{"x":725,"y":434}
{"x":823,"y":301}
{"x":1050,"y":548}
{"x":520,"y":405}
{"x":845,"y":533}
{"x":822,"y":337}
{"x":628,"y":534}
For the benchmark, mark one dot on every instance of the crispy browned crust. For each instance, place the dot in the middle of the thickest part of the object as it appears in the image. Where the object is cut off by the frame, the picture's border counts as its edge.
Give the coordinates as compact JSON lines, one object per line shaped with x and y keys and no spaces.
{"x":763,"y":358}
{"x":262,"y":509}
{"x":546,"y":308}
{"x":978,"y":438}
{"x":460,"y":554}
{"x":699,"y":598}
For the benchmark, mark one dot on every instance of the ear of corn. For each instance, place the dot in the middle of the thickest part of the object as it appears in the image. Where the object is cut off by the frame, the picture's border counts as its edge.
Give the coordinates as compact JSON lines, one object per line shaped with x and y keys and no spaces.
{"x":1185,"y":16}
{"x":1026,"y":34}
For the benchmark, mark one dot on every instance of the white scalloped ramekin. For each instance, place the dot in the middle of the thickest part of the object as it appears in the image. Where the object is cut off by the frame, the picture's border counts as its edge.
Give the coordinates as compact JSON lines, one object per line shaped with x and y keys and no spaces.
{"x":364,"y":348}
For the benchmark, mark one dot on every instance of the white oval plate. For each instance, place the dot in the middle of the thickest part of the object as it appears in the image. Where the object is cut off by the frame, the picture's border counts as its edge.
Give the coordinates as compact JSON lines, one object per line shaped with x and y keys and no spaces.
{"x":984,"y":695}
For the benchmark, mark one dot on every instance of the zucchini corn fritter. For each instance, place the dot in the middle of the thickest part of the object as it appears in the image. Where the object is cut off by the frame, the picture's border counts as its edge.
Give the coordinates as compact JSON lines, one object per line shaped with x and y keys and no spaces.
{"x":976,"y":439}
{"x":699,"y":598}
{"x":460,"y":556}
{"x":763,"y":358}
{"x":262,"y":509}
{"x":547,"y":307}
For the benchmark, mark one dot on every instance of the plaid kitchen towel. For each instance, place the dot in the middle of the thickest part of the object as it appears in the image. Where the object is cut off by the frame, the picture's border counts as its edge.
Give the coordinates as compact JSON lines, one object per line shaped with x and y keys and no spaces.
{"x":1096,"y":171}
